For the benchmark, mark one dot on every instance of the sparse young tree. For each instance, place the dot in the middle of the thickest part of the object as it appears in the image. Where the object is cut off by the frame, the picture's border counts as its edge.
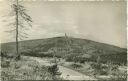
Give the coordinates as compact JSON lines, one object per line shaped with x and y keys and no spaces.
{"x":68,"y":42}
{"x":21,"y":23}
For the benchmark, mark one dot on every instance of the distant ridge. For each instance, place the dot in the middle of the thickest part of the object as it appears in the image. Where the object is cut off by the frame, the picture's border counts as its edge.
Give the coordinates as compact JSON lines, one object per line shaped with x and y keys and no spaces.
{"x":36,"y":42}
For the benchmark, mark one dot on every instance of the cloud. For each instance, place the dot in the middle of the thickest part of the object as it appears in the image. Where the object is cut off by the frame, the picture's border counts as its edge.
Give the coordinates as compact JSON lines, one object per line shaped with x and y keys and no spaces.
{"x":55,"y":25}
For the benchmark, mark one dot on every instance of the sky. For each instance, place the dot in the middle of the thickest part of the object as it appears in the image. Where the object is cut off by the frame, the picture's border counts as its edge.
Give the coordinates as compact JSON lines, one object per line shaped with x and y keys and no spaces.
{"x":102,"y":21}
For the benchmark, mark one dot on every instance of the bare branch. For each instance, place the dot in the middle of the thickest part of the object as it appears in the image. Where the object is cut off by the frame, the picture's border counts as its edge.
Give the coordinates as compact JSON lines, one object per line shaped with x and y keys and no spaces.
{"x":14,"y":6}
{"x":13,"y":24}
{"x":21,"y":8}
{"x":11,"y":13}
{"x":30,"y":25}
{"x":10,"y":31}
{"x":22,"y":26}
{"x":25,"y":16}
{"x":22,"y":36}
{"x":22,"y":32}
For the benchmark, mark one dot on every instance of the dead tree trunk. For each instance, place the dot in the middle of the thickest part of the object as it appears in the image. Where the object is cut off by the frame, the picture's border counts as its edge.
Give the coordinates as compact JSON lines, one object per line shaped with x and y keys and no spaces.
{"x":17,"y":31}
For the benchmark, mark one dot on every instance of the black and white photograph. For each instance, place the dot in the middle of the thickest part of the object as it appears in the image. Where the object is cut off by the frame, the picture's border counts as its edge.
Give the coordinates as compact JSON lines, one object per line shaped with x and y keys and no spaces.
{"x":63,"y":40}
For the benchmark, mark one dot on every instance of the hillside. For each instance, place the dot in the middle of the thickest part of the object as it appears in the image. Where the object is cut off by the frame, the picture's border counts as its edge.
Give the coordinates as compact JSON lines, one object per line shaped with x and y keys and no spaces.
{"x":62,"y":47}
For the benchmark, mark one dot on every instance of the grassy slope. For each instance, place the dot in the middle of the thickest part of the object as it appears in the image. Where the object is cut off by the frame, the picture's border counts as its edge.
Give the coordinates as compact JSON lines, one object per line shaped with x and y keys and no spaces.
{"x":61,"y":41}
{"x":76,"y":44}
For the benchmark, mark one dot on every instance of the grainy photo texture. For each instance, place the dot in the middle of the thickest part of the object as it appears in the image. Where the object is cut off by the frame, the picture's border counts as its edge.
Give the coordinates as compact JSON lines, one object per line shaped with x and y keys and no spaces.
{"x":63,"y":40}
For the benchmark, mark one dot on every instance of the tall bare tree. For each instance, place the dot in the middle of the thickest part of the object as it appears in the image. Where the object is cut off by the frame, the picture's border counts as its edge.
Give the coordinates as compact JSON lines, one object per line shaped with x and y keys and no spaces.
{"x":21,"y":23}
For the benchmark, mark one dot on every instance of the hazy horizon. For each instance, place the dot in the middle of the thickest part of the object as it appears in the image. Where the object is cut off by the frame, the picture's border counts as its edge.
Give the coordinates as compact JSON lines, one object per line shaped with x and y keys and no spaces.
{"x":103,"y":22}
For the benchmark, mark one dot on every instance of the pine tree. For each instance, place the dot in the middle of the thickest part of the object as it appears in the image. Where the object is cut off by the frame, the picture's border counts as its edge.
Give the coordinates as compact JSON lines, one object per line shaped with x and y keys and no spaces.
{"x":22,"y":19}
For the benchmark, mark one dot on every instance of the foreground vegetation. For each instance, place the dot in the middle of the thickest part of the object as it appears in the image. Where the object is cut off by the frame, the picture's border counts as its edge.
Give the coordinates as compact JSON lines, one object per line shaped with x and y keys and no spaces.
{"x":26,"y":69}
{"x":99,"y":70}
{"x":29,"y":69}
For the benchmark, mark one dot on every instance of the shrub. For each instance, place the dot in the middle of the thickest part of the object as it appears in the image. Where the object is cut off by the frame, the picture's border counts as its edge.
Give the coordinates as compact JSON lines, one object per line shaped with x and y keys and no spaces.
{"x":100,"y":69}
{"x":117,"y":75}
{"x":54,"y":70}
{"x":72,"y":57}
{"x":76,"y":66}
{"x":5,"y":64}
